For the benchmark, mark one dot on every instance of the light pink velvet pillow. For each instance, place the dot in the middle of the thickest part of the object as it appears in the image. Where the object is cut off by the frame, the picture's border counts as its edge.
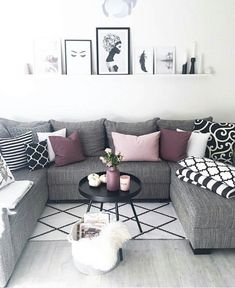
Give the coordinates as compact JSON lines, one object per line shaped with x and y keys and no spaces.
{"x":137,"y":148}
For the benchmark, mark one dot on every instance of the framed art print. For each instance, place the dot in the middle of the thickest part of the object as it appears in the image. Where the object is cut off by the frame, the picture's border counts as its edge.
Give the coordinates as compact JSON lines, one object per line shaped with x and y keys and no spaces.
{"x":77,"y":57}
{"x":113,"y":50}
{"x":47,"y":56}
{"x":165,"y":60}
{"x":143,"y":60}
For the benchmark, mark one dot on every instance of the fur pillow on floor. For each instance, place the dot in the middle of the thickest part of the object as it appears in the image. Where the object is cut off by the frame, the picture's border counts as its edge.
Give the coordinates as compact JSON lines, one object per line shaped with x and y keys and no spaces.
{"x":101,"y":252}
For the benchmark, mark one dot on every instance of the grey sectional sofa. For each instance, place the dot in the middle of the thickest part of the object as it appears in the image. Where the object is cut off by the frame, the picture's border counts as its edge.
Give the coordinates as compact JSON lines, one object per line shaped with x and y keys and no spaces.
{"x":208,"y":219}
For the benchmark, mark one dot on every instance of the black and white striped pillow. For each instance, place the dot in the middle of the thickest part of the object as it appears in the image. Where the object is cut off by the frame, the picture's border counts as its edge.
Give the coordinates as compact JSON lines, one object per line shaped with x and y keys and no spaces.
{"x":13,"y":150}
{"x":205,"y":182}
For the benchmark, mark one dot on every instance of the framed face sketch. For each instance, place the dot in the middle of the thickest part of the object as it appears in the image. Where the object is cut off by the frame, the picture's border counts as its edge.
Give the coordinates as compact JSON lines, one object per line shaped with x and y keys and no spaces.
{"x":143,"y":60}
{"x":113,"y":50}
{"x":77,"y":57}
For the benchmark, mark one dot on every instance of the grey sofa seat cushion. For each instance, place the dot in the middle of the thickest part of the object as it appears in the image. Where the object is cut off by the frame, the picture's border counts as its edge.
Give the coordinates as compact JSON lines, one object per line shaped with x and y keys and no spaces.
{"x":72,"y":174}
{"x":91,"y":133}
{"x":203,"y":208}
{"x":148,"y":172}
{"x":137,"y":128}
{"x":186,"y":125}
{"x":29,"y":208}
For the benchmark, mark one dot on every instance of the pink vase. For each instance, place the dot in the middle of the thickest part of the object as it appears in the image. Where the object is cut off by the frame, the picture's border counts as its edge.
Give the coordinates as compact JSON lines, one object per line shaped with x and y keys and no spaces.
{"x":113,"y":179}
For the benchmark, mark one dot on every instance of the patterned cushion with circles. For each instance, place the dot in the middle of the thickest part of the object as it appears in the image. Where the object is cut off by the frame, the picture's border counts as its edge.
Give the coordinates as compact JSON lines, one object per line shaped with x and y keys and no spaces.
{"x":37,"y":155}
{"x":221,"y":143}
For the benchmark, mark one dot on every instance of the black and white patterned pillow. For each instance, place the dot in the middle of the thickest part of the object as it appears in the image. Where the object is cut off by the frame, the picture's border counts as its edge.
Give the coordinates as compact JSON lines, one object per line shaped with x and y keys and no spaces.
{"x":206,"y":182}
{"x":13,"y":150}
{"x":37,"y":155}
{"x":207,"y":167}
{"x":221,"y":143}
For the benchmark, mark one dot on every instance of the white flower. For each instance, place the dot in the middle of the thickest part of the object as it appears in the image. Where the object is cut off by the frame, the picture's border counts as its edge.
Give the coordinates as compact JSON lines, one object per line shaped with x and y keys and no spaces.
{"x":108,"y":150}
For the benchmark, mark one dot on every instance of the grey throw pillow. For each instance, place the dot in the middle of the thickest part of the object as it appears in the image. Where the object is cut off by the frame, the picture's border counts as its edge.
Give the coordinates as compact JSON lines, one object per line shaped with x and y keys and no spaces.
{"x":136,"y":128}
{"x":91,"y":134}
{"x":3,"y":132}
{"x":18,"y":130}
{"x":186,"y":125}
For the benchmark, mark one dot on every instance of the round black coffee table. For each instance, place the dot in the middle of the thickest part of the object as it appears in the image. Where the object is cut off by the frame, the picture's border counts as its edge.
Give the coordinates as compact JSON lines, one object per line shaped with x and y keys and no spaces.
{"x":102,"y":195}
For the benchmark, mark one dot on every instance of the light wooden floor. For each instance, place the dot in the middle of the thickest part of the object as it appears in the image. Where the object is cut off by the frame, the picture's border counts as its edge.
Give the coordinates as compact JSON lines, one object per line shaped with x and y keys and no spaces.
{"x":147,"y":263}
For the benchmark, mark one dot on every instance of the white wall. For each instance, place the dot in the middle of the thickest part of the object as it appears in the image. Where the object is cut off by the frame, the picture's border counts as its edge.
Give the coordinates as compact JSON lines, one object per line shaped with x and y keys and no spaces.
{"x":153,"y":23}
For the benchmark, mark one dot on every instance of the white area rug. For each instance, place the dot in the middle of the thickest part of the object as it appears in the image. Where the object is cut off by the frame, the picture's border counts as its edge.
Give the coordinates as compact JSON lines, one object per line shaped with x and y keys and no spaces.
{"x":158,"y":220}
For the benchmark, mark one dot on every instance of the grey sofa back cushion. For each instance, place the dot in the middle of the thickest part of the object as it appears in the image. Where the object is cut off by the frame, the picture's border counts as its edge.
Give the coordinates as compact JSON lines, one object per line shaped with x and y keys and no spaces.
{"x":91,"y":133}
{"x":12,"y":123}
{"x":3,"y":132}
{"x":137,"y":128}
{"x":18,"y":130}
{"x":186,"y":125}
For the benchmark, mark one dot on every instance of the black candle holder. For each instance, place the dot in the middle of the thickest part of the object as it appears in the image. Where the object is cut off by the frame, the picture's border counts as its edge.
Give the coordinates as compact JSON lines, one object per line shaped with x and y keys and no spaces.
{"x":184,"y":68}
{"x":192,"y":68}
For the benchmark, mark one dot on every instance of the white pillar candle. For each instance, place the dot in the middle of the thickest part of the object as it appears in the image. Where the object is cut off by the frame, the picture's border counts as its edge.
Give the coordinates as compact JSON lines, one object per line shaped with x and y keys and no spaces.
{"x":194,"y":50}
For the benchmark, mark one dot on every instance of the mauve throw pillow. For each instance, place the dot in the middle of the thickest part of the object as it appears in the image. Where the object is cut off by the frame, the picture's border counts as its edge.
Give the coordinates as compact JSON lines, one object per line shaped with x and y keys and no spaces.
{"x":173,"y":144}
{"x":137,"y":148}
{"x":67,"y":150}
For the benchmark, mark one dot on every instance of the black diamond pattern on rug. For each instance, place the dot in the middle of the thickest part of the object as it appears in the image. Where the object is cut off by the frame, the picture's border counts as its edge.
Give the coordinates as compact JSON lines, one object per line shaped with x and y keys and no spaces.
{"x":158,"y":220}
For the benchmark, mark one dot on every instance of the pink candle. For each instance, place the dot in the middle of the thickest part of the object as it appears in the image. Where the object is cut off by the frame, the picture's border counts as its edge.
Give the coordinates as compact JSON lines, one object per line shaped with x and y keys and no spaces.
{"x":125,"y":182}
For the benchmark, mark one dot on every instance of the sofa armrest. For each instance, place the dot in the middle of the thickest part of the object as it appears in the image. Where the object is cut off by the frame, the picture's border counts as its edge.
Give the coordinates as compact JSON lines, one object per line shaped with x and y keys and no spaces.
{"x":7,"y":262}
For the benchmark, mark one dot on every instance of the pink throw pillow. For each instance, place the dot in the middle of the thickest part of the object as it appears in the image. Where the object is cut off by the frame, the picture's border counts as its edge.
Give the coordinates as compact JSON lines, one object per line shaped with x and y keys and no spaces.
{"x":137,"y":148}
{"x":173,"y":144}
{"x":67,"y":150}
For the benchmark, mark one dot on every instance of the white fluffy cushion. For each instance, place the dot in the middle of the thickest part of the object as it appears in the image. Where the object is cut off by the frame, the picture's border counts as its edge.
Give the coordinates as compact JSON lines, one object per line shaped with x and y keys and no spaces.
{"x":45,"y":136}
{"x":197,"y":144}
{"x":6,"y":176}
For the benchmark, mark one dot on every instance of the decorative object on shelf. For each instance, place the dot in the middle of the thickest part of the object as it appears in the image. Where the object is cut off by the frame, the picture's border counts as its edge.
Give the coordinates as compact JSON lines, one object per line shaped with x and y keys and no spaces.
{"x":185,"y":64}
{"x":28,"y":69}
{"x":118,"y":8}
{"x":192,"y":68}
{"x":125,"y":182}
{"x":77,"y":57}
{"x":193,"y":59}
{"x":113,"y":50}
{"x":165,"y":60}
{"x":47,"y":57}
{"x":94,"y":180}
{"x":143,"y":60}
{"x":112,"y":175}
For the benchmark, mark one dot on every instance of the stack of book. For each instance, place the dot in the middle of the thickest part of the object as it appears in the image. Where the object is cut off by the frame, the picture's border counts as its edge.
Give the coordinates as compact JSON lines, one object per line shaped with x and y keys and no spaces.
{"x":93,"y":224}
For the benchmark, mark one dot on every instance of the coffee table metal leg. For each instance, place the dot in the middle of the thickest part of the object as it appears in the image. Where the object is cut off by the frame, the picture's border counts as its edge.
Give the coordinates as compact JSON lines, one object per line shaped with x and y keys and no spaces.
{"x":117,"y":213}
{"x":101,"y":206}
{"x":89,"y":206}
{"x":136,"y":217}
{"x":117,"y":218}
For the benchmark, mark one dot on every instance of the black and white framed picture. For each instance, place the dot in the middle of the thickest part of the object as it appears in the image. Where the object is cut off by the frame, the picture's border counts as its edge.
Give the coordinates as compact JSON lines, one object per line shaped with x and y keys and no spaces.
{"x":77,"y":57}
{"x":113,"y":50}
{"x":143,"y":60}
{"x":47,"y":56}
{"x":165,"y":60}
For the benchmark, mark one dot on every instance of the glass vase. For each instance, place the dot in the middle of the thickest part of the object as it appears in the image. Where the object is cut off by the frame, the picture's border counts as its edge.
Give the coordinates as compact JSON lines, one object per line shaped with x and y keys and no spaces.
{"x":113,"y":179}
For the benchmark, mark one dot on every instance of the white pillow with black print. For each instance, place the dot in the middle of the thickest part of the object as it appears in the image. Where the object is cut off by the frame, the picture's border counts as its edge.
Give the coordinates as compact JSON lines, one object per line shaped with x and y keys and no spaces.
{"x":197,"y":143}
{"x":6,"y":176}
{"x":215,"y":169}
